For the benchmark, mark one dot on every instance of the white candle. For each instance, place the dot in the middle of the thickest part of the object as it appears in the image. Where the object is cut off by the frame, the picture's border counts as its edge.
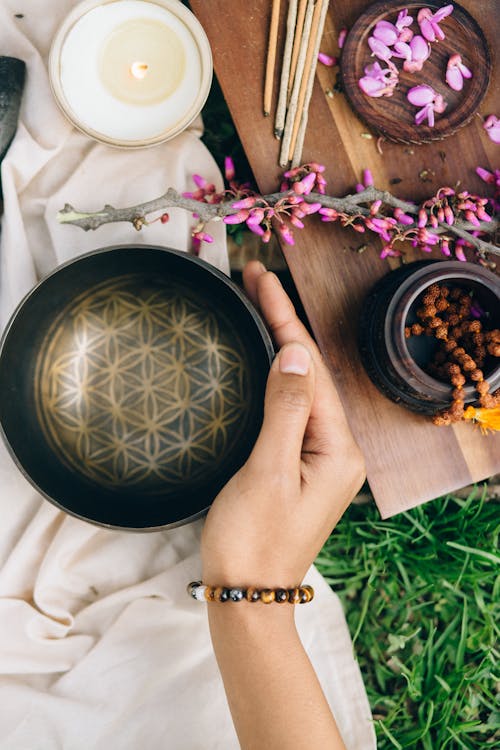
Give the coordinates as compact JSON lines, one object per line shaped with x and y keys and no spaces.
{"x":131,"y":72}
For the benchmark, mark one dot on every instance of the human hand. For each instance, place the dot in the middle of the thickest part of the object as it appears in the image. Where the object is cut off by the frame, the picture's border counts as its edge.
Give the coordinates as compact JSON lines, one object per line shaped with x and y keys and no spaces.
{"x":267,"y":525}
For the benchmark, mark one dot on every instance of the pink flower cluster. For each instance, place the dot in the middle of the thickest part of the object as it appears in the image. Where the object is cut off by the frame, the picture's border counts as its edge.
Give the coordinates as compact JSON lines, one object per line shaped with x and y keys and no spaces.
{"x":397,"y":40}
{"x":492,"y":178}
{"x":429,"y":101}
{"x":443,"y":208}
{"x":423,"y":226}
{"x":492,"y":127}
{"x":257,"y":214}
{"x":378,"y":81}
{"x":456,"y":71}
{"x":206,"y":193}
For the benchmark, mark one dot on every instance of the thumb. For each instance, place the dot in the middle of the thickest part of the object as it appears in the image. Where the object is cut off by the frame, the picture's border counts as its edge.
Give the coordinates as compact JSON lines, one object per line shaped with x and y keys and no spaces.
{"x":287,"y":406}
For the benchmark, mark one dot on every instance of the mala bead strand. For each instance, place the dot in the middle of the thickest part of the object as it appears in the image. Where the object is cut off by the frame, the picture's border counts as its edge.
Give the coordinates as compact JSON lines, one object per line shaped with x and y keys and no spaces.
{"x":449,"y":316}
{"x":203,"y":593}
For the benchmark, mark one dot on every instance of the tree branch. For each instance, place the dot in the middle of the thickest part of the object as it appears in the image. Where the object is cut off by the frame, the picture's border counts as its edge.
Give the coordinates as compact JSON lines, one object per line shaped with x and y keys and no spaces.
{"x":351,"y":205}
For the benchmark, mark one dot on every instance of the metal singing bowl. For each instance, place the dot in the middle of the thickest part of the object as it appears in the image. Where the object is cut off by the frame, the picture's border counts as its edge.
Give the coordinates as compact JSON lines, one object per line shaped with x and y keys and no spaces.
{"x":132,"y":384}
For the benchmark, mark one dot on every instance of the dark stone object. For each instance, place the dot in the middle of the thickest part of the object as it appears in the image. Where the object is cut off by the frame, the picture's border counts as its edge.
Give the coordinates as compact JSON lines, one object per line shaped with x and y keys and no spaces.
{"x":281,"y":595}
{"x":132,"y":382}
{"x":236,"y":595}
{"x":396,"y":365}
{"x":12,"y":76}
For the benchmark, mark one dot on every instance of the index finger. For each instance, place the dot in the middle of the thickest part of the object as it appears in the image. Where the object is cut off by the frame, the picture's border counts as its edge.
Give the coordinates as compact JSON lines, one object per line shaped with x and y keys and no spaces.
{"x":265,"y":288}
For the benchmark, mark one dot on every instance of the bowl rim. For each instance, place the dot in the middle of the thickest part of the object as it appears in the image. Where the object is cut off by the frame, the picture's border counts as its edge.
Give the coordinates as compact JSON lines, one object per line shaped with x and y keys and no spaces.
{"x":184,"y":256}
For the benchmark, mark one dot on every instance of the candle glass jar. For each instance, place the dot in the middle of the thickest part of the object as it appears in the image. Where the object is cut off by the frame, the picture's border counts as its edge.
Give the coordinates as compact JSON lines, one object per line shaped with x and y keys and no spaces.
{"x":130,"y":73}
{"x":396,"y":364}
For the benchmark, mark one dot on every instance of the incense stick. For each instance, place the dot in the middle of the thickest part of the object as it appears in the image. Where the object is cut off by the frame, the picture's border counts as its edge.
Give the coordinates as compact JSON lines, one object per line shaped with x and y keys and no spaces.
{"x":296,"y":44}
{"x":301,"y":130}
{"x":285,"y":71}
{"x":309,"y":67}
{"x":271,"y":57}
{"x":292,"y":106}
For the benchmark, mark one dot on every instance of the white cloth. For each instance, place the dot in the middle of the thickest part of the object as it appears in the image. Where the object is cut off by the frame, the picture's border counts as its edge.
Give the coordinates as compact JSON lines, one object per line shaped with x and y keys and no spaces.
{"x":100,"y":646}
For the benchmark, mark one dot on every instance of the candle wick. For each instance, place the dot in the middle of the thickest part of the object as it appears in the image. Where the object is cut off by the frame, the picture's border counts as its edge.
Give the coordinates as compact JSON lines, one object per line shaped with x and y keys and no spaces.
{"x":139,"y":69}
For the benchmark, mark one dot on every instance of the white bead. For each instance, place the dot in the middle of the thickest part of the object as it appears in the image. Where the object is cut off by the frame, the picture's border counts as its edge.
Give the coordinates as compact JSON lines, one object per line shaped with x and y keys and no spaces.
{"x":199,"y":593}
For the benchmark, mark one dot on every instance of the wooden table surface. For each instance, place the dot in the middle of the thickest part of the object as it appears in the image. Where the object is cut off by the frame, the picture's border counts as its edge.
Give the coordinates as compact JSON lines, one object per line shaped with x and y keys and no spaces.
{"x":409,"y":460}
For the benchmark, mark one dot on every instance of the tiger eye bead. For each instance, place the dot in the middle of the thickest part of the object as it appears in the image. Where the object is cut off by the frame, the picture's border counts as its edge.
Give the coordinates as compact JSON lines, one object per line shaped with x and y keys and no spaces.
{"x":209,"y":593}
{"x":294,"y":596}
{"x":217,"y":593}
{"x":253,"y":594}
{"x":267,"y":596}
{"x":306,"y":594}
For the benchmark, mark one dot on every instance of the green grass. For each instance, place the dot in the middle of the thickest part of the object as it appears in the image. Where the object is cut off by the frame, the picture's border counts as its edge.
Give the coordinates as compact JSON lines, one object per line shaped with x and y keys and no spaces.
{"x":421,"y":593}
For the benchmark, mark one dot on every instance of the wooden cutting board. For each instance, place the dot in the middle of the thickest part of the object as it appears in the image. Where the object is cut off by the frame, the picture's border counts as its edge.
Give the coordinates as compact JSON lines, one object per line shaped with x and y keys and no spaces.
{"x":409,"y":461}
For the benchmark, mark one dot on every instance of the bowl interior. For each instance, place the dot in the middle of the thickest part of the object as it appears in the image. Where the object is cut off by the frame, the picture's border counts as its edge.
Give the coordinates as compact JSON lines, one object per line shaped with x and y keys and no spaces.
{"x":134,"y":382}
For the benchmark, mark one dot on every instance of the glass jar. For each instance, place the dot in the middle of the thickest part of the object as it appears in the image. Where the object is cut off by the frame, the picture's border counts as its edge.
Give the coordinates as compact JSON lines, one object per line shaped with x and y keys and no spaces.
{"x":395,"y":364}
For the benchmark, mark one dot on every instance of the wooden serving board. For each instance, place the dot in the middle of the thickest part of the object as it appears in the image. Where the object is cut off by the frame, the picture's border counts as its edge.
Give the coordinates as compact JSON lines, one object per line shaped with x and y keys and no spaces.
{"x":409,"y":461}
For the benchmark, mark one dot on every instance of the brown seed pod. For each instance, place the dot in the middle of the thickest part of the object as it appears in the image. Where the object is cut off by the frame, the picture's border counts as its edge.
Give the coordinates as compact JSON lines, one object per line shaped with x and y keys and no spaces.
{"x":456,"y":410}
{"x":441,"y":304}
{"x":488,"y":401}
{"x":482,"y":387}
{"x":458,"y":380}
{"x":443,"y":419}
{"x":450,"y":345}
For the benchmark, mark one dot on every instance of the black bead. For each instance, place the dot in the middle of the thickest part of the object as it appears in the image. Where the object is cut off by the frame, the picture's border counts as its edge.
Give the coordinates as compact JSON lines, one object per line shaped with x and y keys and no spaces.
{"x":236,"y":595}
{"x":191,"y":588}
{"x":224,"y":595}
{"x":281,"y":595}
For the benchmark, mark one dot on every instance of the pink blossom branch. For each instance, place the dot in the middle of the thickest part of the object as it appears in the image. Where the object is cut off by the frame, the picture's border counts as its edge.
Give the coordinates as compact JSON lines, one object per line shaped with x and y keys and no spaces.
{"x":351,"y":205}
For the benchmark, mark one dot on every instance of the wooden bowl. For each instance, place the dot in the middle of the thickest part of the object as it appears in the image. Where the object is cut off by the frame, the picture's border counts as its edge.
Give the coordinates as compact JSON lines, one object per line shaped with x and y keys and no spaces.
{"x":132,"y":384}
{"x":394,"y":116}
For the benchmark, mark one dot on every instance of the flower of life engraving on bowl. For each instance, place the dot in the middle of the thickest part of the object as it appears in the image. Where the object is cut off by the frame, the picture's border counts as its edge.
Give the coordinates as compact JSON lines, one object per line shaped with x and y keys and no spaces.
{"x":139,"y":385}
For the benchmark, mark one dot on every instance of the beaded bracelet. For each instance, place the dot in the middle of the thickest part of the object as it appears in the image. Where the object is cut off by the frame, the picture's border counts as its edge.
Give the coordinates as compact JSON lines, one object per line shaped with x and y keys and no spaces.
{"x":203,"y":593}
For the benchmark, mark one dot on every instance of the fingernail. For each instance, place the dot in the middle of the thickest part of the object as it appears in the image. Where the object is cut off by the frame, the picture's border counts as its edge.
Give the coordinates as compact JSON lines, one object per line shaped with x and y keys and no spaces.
{"x":294,"y":360}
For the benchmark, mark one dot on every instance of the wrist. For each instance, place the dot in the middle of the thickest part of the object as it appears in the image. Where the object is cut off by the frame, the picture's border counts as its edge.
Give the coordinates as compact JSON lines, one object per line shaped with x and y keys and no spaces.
{"x":254,"y":618}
